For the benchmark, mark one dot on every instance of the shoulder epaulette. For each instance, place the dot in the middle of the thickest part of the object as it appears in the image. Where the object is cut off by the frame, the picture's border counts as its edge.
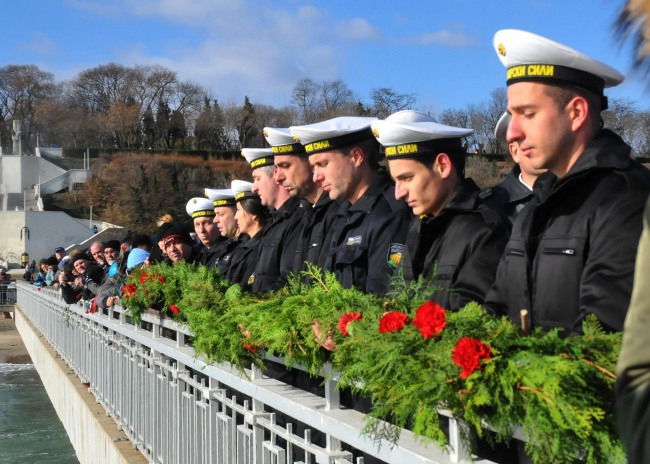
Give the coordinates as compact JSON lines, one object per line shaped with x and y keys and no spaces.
{"x":490,"y":215}
{"x":485,"y":193}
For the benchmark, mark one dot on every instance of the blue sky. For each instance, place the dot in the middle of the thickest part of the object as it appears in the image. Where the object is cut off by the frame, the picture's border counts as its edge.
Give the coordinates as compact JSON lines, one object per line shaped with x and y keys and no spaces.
{"x":440,"y":50}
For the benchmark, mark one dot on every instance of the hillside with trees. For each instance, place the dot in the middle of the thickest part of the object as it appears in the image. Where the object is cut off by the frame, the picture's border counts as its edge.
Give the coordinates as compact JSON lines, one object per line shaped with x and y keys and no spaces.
{"x":147,"y":112}
{"x":149,"y":107}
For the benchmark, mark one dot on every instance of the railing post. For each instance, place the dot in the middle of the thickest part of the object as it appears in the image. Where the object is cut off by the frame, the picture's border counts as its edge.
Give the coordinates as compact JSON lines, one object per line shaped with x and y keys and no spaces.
{"x":458,"y":451}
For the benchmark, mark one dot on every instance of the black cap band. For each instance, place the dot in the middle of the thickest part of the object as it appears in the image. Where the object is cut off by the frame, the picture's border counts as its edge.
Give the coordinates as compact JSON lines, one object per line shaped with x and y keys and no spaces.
{"x":202,"y":213}
{"x":245,"y":195}
{"x":224,"y":202}
{"x":555,"y":73}
{"x":342,"y":141}
{"x":416,"y":149}
{"x":261,"y":162}
{"x":290,"y":149}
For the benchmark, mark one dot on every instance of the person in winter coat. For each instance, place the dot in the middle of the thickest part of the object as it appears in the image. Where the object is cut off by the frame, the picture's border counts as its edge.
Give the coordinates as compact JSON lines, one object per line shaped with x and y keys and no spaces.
{"x":452,"y":233}
{"x":573,"y":247}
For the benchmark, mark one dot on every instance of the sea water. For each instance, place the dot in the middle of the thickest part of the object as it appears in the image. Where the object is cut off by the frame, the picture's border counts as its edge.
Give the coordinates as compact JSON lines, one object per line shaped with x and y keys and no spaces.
{"x":30,"y":430}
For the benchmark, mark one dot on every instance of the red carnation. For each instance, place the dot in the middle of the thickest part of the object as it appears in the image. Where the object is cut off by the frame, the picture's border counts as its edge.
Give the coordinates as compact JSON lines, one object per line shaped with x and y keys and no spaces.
{"x":392,"y":322}
{"x":174,"y":309}
{"x":250,"y":348}
{"x":430,"y":319}
{"x":346,"y":319}
{"x":161,"y":279}
{"x":468,"y":354}
{"x":143,"y":278}
{"x":129,"y":289}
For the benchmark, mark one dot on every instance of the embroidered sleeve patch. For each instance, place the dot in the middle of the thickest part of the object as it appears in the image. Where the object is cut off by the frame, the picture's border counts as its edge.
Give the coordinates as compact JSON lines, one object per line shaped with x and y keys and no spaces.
{"x":395,"y":251}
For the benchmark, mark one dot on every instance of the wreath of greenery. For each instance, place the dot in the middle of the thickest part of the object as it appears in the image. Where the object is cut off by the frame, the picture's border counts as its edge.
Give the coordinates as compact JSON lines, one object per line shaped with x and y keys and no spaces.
{"x":410,"y":356}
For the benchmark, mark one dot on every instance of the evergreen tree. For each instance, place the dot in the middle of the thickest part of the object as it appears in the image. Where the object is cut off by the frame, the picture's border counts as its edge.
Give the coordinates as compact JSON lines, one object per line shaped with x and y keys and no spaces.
{"x":177,"y":129}
{"x":163,"y":118}
{"x":247,"y":129}
{"x":148,"y":127}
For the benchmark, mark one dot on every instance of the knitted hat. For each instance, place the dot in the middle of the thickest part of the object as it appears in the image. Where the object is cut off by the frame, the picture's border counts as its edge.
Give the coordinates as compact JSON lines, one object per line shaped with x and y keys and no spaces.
{"x":113,"y":245}
{"x":136,"y":257}
{"x":177,"y":234}
{"x":80,"y":256}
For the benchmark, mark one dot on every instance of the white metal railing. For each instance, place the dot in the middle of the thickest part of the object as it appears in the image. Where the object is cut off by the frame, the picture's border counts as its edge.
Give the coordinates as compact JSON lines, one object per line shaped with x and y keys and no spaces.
{"x":63,"y":181}
{"x":177,"y":409}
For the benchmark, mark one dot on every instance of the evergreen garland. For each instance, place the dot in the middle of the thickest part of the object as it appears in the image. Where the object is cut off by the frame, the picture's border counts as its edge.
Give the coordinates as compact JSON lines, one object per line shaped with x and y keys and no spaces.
{"x":410,"y":357}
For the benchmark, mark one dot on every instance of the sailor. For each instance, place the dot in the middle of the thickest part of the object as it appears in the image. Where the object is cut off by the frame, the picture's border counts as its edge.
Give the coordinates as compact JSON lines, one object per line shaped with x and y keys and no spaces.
{"x":516,"y":190}
{"x":277,"y":250}
{"x":225,"y":207}
{"x":573,"y":248}
{"x":251,"y":217}
{"x":294,"y":173}
{"x":370,"y":227}
{"x":202,"y":213}
{"x":452,"y":232}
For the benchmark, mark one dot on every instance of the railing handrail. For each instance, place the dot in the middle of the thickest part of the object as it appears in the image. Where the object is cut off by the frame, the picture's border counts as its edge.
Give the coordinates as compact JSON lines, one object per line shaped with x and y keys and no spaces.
{"x":323,"y":414}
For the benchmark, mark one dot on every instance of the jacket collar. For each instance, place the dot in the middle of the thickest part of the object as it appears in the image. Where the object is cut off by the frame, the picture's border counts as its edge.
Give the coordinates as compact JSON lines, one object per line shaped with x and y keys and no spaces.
{"x":370,"y":196}
{"x":513,"y":186}
{"x":606,"y":151}
{"x":464,"y":198}
{"x":287,"y":208}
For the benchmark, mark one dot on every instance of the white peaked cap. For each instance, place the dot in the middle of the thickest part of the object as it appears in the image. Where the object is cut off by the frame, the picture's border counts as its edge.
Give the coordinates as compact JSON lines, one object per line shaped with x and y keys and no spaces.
{"x":332,"y":134}
{"x":198,"y":207}
{"x":530,"y":57}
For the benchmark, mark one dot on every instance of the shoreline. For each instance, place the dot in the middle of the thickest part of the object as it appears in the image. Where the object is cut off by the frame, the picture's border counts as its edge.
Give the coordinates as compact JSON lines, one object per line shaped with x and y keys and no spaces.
{"x":12,"y":348}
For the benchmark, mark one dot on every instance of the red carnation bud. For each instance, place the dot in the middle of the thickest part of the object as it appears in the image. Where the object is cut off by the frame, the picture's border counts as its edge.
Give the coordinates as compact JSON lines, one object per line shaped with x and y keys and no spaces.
{"x":143,"y":278}
{"x":392,"y":322}
{"x":250,"y":348}
{"x":174,"y":309}
{"x":161,"y":279}
{"x":346,"y":319}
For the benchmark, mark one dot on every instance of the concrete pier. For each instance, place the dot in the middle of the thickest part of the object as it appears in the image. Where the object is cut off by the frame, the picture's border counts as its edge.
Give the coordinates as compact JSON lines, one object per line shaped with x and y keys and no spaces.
{"x":12,"y":349}
{"x":94,"y":436}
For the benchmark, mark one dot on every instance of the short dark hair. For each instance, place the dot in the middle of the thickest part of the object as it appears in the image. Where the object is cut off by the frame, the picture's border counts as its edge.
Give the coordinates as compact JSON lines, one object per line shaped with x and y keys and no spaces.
{"x":370,"y":148}
{"x":255,"y":207}
{"x":140,"y":239}
{"x":457,"y":157}
{"x":562,"y":94}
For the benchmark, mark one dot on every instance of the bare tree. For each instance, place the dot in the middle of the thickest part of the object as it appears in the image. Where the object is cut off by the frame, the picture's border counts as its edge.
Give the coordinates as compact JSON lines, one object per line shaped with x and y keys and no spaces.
{"x":97,"y":89}
{"x":643,"y":142}
{"x":336,"y":98}
{"x":22,"y":89}
{"x":242,"y":125}
{"x":623,"y":117}
{"x":460,"y":118}
{"x":306,"y":96}
{"x":387,"y":101}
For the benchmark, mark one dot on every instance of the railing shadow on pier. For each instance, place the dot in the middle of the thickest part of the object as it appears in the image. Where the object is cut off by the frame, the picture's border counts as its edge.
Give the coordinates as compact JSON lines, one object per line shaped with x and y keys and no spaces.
{"x":175,"y":408}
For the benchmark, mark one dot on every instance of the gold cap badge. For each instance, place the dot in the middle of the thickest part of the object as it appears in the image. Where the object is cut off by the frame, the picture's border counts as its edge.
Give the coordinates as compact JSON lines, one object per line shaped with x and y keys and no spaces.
{"x":501,"y":49}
